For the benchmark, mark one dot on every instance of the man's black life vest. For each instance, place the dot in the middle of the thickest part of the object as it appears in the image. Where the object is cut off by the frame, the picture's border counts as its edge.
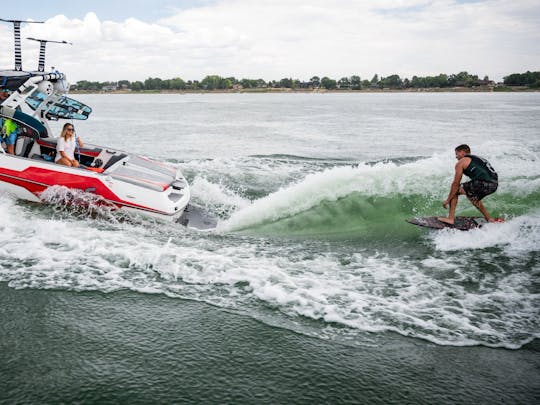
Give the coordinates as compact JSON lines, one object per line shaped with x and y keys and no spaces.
{"x":480,"y":169}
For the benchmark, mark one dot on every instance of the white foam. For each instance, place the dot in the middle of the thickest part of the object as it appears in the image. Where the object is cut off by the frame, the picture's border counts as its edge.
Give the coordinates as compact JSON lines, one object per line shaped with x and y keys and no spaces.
{"x":439,"y":264}
{"x":367,"y":292}
{"x":257,"y":172}
{"x":520,"y":187}
{"x":216,"y":197}
{"x":510,"y":159}
{"x":381,"y":179}
{"x":515,"y":236}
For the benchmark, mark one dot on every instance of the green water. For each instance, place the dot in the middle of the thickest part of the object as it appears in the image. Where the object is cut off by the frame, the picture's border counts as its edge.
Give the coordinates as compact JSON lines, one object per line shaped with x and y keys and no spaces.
{"x":66,"y":347}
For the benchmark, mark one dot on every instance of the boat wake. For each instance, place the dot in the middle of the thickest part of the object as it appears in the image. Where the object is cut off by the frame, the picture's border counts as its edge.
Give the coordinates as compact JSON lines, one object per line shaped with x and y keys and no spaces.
{"x":344,"y":272}
{"x":80,"y":204}
{"x":367,"y":200}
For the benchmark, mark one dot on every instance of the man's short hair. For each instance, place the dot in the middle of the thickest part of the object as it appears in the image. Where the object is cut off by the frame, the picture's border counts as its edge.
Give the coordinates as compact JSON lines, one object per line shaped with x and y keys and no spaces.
{"x":465,"y":148}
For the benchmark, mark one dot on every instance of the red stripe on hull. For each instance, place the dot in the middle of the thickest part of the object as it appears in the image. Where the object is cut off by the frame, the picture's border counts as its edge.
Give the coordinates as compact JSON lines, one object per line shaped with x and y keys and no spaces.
{"x":37,"y":179}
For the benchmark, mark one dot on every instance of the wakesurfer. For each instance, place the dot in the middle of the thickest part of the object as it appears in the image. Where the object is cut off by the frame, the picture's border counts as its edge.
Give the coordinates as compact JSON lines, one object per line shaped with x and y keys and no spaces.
{"x":484,"y":181}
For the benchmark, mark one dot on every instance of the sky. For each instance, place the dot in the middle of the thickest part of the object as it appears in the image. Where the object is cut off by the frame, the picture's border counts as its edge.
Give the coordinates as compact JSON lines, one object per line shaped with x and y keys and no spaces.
{"x":273,"y":39}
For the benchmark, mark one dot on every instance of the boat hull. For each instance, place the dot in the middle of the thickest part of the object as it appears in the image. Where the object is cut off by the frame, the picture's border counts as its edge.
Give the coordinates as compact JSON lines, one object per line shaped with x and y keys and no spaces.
{"x":28,"y":179}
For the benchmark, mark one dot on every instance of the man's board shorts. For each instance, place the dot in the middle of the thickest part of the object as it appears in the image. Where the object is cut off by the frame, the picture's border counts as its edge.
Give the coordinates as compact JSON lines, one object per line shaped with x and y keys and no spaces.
{"x":478,"y":189}
{"x":10,"y":139}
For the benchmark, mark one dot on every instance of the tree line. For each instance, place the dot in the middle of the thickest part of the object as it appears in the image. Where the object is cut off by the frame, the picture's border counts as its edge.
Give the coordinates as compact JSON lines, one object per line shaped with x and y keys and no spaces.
{"x":530,"y":79}
{"x":215,"y":82}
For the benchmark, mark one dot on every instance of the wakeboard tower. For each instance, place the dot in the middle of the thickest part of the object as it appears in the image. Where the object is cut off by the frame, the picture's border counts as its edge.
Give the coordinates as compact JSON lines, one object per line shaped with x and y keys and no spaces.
{"x":120,"y":179}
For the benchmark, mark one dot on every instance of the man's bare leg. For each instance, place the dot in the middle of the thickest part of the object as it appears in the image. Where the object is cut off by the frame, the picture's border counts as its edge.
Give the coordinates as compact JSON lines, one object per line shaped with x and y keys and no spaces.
{"x":451,"y":213}
{"x":478,"y":204}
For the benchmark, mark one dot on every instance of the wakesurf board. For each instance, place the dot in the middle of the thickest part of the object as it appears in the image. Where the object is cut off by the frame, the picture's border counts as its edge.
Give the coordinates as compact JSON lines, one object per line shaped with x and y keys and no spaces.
{"x":461,"y":223}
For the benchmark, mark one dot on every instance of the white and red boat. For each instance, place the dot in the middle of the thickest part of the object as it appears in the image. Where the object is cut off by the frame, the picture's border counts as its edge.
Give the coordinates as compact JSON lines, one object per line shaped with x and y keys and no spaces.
{"x":127,"y":181}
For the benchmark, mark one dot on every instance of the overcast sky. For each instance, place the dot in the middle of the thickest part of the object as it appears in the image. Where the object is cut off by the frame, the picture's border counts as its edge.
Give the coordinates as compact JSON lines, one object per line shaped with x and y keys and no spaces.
{"x":272,"y":39}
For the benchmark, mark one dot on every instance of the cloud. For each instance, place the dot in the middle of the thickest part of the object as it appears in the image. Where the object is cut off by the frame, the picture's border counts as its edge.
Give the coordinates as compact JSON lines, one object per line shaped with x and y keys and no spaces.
{"x":284,"y":38}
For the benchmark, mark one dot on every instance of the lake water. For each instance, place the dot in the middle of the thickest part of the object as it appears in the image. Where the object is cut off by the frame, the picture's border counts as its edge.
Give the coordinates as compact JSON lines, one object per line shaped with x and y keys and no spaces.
{"x":313,"y":287}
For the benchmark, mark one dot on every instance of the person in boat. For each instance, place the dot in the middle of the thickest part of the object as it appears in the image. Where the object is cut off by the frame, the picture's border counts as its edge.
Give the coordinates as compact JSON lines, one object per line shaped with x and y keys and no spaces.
{"x":484,"y":181}
{"x":65,"y":147}
{"x":4,"y":94}
{"x":10,"y":129}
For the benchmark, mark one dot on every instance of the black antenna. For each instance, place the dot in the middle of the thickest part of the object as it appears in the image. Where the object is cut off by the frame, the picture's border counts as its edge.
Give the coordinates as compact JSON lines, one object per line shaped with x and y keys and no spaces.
{"x":17,"y":34}
{"x":42,"y":45}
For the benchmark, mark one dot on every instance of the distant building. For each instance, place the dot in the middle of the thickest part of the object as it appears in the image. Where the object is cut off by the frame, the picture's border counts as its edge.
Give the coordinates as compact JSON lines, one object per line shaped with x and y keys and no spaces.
{"x":110,"y":87}
{"x":489,"y":83}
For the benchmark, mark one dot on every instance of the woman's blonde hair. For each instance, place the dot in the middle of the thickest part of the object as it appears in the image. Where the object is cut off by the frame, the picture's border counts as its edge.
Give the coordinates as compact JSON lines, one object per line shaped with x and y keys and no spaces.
{"x":65,"y":132}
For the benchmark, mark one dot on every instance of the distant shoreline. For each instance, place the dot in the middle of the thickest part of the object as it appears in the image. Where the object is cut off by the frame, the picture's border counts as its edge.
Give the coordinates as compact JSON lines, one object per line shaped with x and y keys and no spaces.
{"x":482,"y":89}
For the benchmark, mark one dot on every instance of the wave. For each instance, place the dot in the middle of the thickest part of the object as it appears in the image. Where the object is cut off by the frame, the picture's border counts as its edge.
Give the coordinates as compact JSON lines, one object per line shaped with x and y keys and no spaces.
{"x":439,"y":296}
{"x":374,"y":197}
{"x":298,"y":158}
{"x":452,"y":288}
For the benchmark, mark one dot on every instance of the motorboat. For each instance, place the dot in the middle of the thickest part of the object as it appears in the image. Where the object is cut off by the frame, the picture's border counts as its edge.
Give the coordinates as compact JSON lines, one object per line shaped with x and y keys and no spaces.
{"x":123,"y":180}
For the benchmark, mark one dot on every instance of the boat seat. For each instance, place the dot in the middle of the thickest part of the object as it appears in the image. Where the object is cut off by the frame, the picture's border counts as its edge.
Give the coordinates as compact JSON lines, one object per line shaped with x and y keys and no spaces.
{"x":113,"y":160}
{"x":23,"y":145}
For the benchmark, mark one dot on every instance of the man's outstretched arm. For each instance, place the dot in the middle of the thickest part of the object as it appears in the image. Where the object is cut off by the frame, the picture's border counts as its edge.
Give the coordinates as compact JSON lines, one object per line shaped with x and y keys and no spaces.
{"x":454,"y":188}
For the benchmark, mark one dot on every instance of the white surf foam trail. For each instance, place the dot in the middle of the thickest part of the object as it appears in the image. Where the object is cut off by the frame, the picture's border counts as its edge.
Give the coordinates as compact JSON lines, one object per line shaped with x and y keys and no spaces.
{"x":515,"y":236}
{"x":216,"y":197}
{"x":256,"y":173}
{"x":80,"y":204}
{"x":380,"y":179}
{"x":430,"y":177}
{"x":362,"y":290}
